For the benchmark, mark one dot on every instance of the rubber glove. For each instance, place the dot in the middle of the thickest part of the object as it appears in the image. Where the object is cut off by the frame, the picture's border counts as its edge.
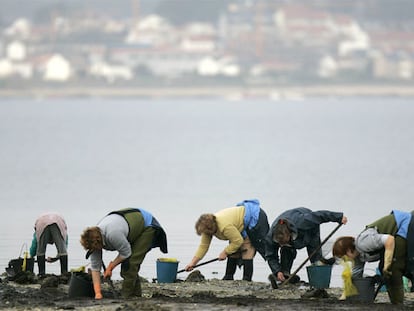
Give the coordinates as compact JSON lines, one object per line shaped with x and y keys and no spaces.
{"x":108,"y":271}
{"x":96,"y":280}
{"x":97,"y":289}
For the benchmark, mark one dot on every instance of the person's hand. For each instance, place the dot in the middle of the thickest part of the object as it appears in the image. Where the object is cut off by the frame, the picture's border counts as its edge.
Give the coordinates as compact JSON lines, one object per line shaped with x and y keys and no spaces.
{"x":189,"y":267}
{"x":344,"y":220}
{"x":108,"y":271}
{"x":223,"y":255}
{"x":280,"y":276}
{"x":52,"y":259}
{"x":192,"y":264}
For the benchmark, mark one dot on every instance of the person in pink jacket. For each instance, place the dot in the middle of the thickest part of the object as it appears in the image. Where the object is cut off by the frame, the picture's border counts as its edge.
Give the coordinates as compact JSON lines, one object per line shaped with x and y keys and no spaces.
{"x":50,"y":229}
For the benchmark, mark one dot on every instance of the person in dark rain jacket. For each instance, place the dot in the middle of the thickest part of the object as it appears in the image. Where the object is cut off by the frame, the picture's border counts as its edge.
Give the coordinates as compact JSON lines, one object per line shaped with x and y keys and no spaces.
{"x":292,"y":230}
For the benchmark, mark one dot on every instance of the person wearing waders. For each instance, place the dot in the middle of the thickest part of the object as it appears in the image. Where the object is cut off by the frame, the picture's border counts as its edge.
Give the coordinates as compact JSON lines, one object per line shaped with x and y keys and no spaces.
{"x":292,"y":230}
{"x":389,"y":240}
{"x":50,"y":228}
{"x":245,"y":227}
{"x":133,"y":233}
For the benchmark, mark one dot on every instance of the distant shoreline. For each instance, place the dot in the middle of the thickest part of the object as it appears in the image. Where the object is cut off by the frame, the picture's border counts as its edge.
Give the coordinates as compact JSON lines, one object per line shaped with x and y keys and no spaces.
{"x":225,"y":92}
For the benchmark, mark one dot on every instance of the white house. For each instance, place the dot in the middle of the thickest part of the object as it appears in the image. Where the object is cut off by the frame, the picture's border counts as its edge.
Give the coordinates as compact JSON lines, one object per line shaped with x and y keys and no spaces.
{"x":198,"y":44}
{"x":328,"y":67}
{"x":152,"y":30}
{"x":6,"y":68}
{"x":111,"y":73}
{"x":16,"y":51}
{"x":57,"y":69}
{"x":209,"y":66}
{"x":359,"y":42}
{"x":21,"y":28}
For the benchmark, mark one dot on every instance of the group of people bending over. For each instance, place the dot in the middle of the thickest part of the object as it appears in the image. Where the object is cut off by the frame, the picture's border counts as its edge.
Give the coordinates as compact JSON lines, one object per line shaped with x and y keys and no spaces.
{"x":134,"y":232}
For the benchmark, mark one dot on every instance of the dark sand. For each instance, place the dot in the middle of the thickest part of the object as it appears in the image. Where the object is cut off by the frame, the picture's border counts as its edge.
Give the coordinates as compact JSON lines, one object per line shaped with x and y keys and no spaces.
{"x":203,"y":295}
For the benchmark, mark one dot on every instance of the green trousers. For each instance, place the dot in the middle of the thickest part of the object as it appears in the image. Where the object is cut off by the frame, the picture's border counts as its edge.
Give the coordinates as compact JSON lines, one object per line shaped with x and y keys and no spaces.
{"x":395,"y":286}
{"x":140,"y":238}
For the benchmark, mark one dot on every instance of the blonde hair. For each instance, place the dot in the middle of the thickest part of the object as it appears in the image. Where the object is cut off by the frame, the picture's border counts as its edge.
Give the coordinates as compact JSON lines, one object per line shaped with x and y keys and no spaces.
{"x":91,"y":239}
{"x":206,"y":224}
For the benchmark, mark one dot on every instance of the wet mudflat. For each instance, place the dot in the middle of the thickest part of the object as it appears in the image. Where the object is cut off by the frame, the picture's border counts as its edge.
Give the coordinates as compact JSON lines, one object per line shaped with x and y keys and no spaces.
{"x":203,"y":295}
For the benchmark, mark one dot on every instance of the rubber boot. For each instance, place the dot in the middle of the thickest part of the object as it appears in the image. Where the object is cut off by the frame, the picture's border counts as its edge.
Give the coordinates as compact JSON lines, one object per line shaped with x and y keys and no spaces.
{"x":41,"y":263}
{"x":63,"y":264}
{"x":396,"y":294}
{"x":247,"y":269}
{"x":230,"y":269}
{"x":137,"y":288}
{"x":128,"y":287}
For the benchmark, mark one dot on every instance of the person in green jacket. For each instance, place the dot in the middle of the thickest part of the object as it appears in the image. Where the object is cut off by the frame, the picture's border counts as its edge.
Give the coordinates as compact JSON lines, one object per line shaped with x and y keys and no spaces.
{"x":132,"y":233}
{"x":387,"y":240}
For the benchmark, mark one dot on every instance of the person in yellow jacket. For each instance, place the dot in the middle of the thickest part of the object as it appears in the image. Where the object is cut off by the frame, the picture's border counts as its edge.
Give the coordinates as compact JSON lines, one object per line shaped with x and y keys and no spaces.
{"x":245,"y":227}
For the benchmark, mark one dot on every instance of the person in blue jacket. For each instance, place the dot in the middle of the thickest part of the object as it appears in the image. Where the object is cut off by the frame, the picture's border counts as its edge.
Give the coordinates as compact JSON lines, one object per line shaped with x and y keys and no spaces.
{"x":292,"y":230}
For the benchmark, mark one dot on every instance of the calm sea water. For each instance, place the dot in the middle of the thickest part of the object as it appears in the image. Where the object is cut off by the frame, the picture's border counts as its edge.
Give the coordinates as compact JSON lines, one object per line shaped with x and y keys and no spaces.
{"x":181,"y":158}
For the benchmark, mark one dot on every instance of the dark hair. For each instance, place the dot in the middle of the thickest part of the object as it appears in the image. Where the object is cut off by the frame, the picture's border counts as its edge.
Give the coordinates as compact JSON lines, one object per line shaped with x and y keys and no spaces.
{"x":206,"y":224}
{"x":91,"y":239}
{"x":281,"y":233}
{"x":342,"y":245}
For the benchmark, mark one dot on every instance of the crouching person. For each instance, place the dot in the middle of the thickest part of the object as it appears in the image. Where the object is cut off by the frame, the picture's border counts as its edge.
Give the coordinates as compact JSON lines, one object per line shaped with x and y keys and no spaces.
{"x":131,"y":232}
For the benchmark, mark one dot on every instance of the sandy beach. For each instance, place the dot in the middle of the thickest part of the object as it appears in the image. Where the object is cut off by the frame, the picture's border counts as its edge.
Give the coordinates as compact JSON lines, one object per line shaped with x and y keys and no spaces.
{"x":211,"y":295}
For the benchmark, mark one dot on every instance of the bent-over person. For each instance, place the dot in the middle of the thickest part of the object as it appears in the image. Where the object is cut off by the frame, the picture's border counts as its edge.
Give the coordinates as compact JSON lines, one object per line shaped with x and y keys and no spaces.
{"x":133,"y":233}
{"x":388,"y":240}
{"x":245,"y":227}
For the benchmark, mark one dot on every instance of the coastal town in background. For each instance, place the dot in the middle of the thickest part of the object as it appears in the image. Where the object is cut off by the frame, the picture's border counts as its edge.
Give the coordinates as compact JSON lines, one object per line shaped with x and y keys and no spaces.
{"x":139,"y":46}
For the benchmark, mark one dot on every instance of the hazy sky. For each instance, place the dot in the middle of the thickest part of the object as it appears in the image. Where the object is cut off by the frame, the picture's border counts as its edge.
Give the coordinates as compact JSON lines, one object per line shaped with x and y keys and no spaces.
{"x":181,"y":10}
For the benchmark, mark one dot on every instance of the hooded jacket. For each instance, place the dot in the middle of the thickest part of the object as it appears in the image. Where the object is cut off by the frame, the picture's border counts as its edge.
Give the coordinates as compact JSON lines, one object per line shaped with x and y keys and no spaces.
{"x":303,"y":224}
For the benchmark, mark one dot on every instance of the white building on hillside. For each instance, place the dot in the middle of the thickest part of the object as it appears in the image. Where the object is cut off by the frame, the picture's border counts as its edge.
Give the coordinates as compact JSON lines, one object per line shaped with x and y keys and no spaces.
{"x":57,"y":68}
{"x":111,"y":73}
{"x":16,"y":51}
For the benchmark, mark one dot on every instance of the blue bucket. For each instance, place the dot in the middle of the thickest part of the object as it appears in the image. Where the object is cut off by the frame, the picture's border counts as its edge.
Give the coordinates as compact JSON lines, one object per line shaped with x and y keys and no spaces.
{"x":319,"y":276}
{"x":166,"y":270}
